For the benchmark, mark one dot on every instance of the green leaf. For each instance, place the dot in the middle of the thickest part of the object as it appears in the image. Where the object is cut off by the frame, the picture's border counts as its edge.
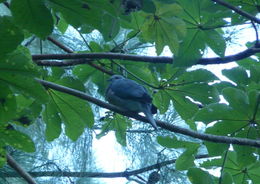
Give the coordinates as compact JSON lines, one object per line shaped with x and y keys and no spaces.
{"x":84,"y":72}
{"x":120,"y":125}
{"x":185,"y":108}
{"x":245,"y":155}
{"x":2,"y":157}
{"x":76,"y":12}
{"x":198,"y":176}
{"x":52,"y":120}
{"x":28,"y":108}
{"x":7,"y":104}
{"x":254,"y":103}
{"x":213,"y":112}
{"x":62,"y":25}
{"x":203,"y":93}
{"x":238,"y":100}
{"x":192,"y":44}
{"x":164,"y":28}
{"x":227,"y":178}
{"x":33,"y":16}
{"x":17,"y":139}
{"x":212,"y":163}
{"x":169,"y":142}
{"x":18,"y":72}
{"x":255,"y":73}
{"x":110,"y":27}
{"x":10,"y":37}
{"x":195,"y":76}
{"x":222,"y":128}
{"x":162,"y":101}
{"x":148,"y":6}
{"x":75,"y":113}
{"x":215,"y":41}
{"x":237,"y":75}
{"x":186,"y":160}
{"x":253,"y":172}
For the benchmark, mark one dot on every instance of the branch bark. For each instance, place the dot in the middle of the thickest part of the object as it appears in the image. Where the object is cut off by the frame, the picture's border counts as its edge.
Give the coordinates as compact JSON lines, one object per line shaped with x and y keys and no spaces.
{"x":164,"y":125}
{"x":20,"y":170}
{"x":124,"y":174}
{"x":70,"y":63}
{"x":238,"y":10}
{"x":104,"y":55}
{"x":87,"y":57}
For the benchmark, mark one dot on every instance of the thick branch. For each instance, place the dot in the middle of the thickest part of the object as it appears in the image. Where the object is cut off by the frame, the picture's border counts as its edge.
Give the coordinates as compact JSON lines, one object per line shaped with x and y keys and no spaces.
{"x":239,"y":56}
{"x":125,"y":174}
{"x":151,"y":59}
{"x":238,"y":10}
{"x":167,"y":126}
{"x":19,"y":169}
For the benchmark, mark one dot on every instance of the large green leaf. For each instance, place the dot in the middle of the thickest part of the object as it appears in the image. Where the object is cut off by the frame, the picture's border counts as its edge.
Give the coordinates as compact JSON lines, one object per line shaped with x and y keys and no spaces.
{"x":52,"y":120}
{"x":74,"y":112}
{"x":203,"y":93}
{"x":253,"y":172}
{"x":2,"y":156}
{"x":198,"y":176}
{"x":162,"y":101}
{"x":76,"y":12}
{"x":33,"y":16}
{"x":215,"y":41}
{"x":195,"y":76}
{"x":7,"y":104}
{"x":245,"y":155}
{"x":10,"y":36}
{"x":119,"y":124}
{"x":216,"y":111}
{"x":184,"y":106}
{"x":164,"y":28}
{"x":186,"y":159}
{"x":238,"y":100}
{"x":190,"y":49}
{"x":109,"y":27}
{"x":170,"y":142}
{"x":17,"y":139}
{"x":18,"y":72}
{"x":237,"y":75}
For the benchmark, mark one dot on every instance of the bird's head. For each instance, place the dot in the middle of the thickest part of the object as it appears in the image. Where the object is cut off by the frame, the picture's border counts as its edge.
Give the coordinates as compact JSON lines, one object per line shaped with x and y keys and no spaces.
{"x":115,"y":77}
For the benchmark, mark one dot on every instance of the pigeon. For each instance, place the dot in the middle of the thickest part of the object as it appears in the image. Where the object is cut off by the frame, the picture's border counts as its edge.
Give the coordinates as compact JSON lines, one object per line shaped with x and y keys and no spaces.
{"x":130,"y":95}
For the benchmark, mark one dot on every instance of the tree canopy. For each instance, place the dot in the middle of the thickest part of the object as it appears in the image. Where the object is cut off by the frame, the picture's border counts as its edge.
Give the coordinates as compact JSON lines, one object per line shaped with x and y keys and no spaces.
{"x":164,"y":45}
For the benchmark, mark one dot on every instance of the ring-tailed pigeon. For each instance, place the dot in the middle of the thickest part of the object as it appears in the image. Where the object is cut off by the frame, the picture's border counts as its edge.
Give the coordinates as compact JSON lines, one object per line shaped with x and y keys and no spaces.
{"x":131,"y":96}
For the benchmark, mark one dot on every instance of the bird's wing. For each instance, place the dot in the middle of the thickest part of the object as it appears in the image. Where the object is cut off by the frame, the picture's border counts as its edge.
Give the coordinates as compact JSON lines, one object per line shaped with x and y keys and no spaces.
{"x":128,"y":89}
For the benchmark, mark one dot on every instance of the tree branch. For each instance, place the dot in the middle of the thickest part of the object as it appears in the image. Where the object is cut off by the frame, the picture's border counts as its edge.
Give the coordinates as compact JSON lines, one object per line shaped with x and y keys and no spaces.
{"x":60,"y":45}
{"x":19,"y":169}
{"x":70,"y":63}
{"x":164,"y":125}
{"x":124,"y":174}
{"x":238,"y":10}
{"x":221,"y":60}
{"x":86,"y":58}
{"x":103,"y":55}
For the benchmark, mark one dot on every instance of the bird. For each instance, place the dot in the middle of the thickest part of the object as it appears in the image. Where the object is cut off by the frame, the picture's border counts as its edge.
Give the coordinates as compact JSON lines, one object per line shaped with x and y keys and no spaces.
{"x":132,"y":96}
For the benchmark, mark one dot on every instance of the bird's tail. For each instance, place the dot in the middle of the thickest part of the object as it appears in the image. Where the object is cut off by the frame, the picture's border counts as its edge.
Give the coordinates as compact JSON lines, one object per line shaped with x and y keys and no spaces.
{"x":149,"y":116}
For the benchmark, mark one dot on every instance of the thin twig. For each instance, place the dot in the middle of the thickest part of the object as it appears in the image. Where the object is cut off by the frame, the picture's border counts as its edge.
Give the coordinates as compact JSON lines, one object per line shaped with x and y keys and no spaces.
{"x":238,"y":10}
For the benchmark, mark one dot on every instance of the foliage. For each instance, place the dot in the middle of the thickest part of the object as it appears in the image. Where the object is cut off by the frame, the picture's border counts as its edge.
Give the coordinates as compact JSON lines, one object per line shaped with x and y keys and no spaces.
{"x":188,"y":27}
